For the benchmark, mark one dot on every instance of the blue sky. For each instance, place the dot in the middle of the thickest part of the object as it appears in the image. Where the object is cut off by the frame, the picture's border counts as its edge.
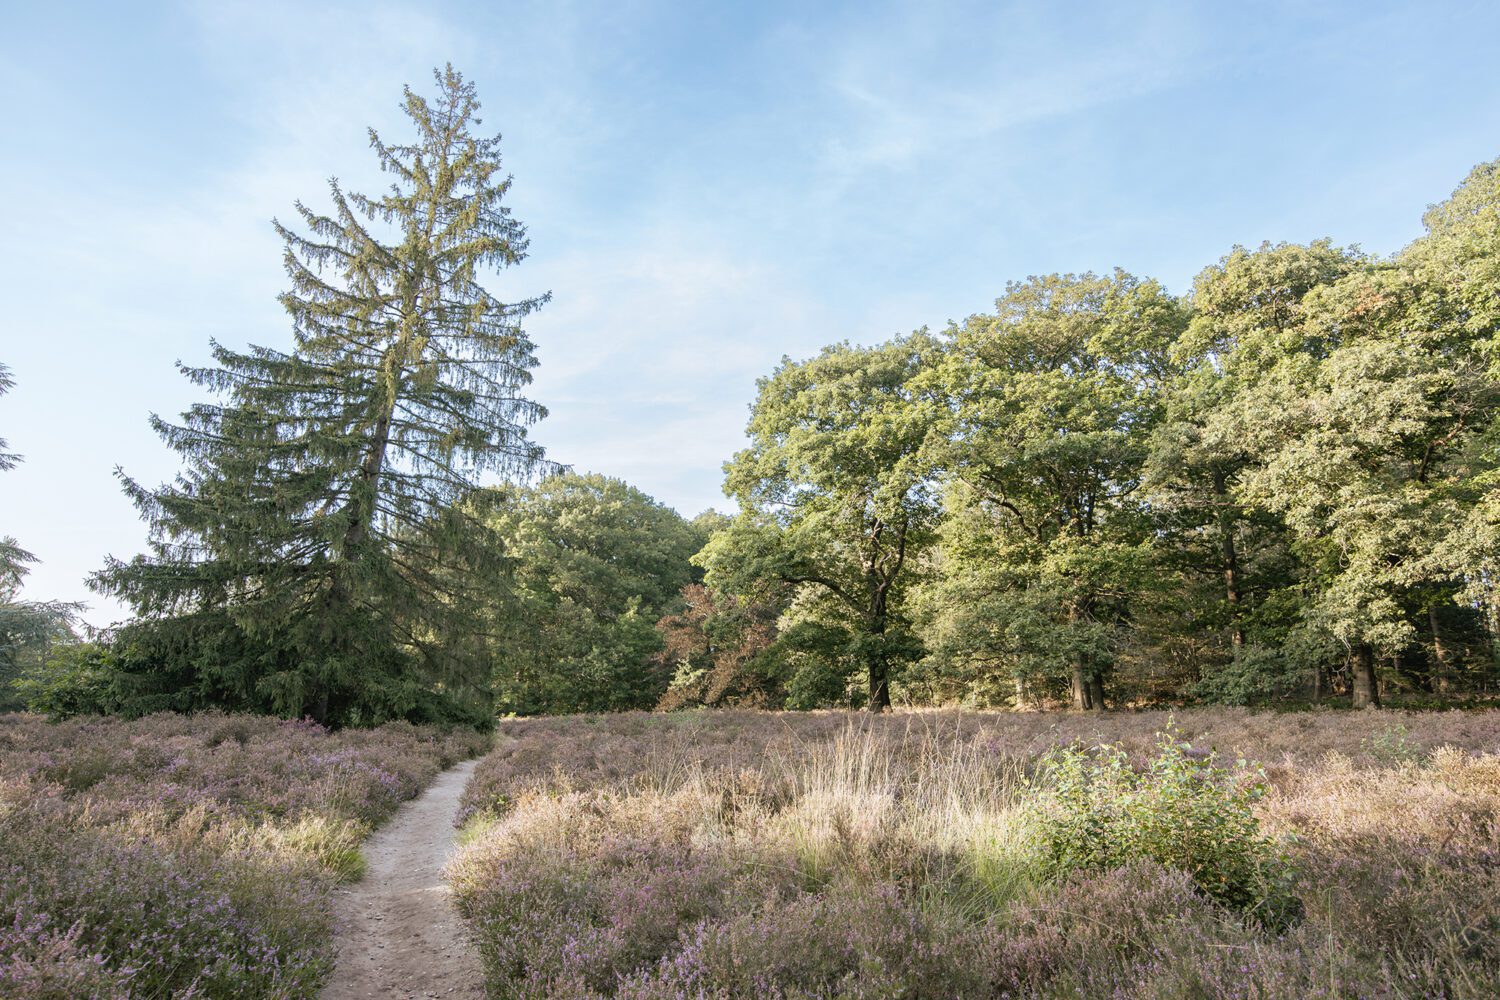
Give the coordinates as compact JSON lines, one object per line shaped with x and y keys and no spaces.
{"x":708,"y":187}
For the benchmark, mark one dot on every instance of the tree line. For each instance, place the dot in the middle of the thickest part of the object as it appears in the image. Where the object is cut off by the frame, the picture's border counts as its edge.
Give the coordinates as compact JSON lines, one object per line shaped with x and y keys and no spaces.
{"x":1279,"y":486}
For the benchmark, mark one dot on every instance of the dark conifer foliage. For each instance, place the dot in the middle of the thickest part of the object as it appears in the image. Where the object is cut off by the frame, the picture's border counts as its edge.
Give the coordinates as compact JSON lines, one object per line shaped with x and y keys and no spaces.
{"x":320,"y":554}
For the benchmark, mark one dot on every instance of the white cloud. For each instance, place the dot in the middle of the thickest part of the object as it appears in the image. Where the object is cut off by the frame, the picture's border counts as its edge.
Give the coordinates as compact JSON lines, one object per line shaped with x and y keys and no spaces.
{"x":921,"y":84}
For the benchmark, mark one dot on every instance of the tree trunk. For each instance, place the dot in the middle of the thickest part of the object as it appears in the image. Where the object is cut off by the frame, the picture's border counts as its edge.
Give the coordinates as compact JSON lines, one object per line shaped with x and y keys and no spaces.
{"x":1492,"y":620}
{"x":373,"y":465}
{"x":876,"y":663}
{"x":1442,"y":669}
{"x":1081,"y":683}
{"x":1082,"y":692}
{"x":1364,"y":689}
{"x":369,"y":480}
{"x":1078,"y":686}
{"x":880,"y":684}
{"x":1096,"y":692}
{"x":1022,"y":702}
{"x":1231,"y":566}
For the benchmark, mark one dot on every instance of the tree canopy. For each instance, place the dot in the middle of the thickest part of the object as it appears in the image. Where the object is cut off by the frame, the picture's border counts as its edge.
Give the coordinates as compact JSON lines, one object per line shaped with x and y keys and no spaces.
{"x":594,"y":563}
{"x":1280,"y":485}
{"x":835,"y":495}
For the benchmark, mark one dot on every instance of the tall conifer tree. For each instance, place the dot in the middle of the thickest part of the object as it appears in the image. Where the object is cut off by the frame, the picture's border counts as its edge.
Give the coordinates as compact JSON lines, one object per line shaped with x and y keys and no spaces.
{"x":320,"y":554}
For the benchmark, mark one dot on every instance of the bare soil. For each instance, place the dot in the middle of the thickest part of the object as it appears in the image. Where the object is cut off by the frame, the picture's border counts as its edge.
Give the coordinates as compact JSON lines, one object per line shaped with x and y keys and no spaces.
{"x":398,"y":935}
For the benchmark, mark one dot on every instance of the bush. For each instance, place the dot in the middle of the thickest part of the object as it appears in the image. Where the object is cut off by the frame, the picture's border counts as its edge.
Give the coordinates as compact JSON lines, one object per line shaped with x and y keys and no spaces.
{"x":1182,"y":811}
{"x":1393,"y":746}
{"x":1259,"y":675}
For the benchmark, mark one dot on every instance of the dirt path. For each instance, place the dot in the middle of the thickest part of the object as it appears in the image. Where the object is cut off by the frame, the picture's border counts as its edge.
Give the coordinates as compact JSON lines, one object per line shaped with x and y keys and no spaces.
{"x":398,"y":936}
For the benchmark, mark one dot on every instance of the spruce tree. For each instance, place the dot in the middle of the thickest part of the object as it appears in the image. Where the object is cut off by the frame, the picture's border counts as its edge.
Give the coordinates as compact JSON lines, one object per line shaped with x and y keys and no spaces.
{"x":321,"y":554}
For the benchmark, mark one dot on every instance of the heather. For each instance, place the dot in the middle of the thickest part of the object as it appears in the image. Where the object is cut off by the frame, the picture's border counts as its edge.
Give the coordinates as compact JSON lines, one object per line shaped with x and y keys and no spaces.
{"x":189,"y":856}
{"x":1214,"y":853}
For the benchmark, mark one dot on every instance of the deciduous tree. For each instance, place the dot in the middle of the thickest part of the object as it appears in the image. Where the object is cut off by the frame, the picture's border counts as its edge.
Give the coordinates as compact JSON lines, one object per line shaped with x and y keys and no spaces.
{"x":1050,"y":403}
{"x":594,"y":564}
{"x":835,"y":497}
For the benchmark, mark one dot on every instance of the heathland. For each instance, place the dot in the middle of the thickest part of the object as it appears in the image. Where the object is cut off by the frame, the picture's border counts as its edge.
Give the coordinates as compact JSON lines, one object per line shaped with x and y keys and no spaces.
{"x":949,"y":854}
{"x":1278,"y":487}
{"x":1202,"y":853}
{"x":176,"y":856}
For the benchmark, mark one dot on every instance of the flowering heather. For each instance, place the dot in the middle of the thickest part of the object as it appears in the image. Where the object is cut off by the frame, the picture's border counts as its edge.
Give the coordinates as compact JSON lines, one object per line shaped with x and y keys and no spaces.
{"x":188,"y":856}
{"x":744,"y":854}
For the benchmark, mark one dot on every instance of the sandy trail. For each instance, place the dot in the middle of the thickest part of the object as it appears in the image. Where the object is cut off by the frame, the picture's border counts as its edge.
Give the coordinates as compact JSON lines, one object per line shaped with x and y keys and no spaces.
{"x":398,"y":935}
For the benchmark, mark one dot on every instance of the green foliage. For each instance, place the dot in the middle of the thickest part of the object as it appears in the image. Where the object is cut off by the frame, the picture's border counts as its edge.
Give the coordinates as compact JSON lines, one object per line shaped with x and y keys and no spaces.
{"x":594,"y":563}
{"x":1234,"y":561}
{"x":8,"y":459}
{"x":1260,"y":674}
{"x":1394,"y":745}
{"x":1369,"y":453}
{"x":1281,"y":486}
{"x":77,"y":679}
{"x":822,"y":665}
{"x":1048,"y":404}
{"x":31,"y":634}
{"x":1183,"y":811}
{"x":1315,"y":487}
{"x":836,"y":498}
{"x":29,"y":630}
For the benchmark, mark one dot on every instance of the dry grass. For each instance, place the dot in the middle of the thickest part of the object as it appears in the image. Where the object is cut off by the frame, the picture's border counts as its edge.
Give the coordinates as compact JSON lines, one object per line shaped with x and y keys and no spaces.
{"x":820,"y":855}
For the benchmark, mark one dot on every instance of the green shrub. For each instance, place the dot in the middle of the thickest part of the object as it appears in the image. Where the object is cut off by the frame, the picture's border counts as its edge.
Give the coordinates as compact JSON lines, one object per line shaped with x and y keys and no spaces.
{"x":1393,"y":746}
{"x":1257,"y":676}
{"x":1182,"y":811}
